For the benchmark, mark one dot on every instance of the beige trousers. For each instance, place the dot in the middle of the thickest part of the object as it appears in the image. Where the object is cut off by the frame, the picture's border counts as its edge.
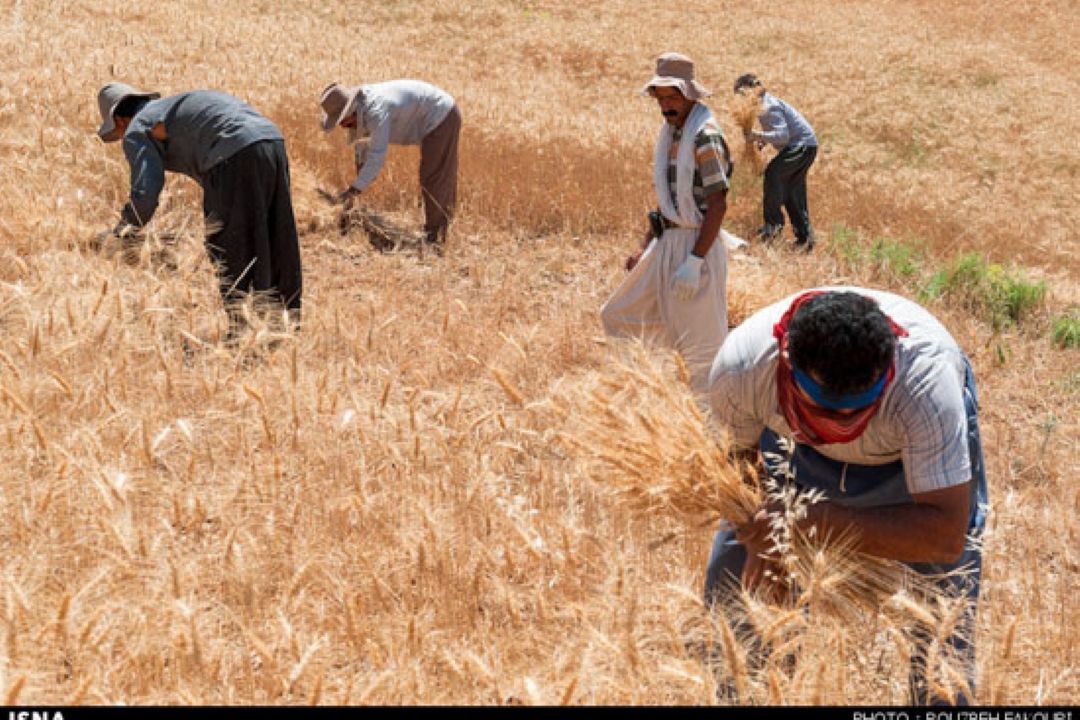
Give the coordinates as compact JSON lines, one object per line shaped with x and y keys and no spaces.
{"x":643,"y":306}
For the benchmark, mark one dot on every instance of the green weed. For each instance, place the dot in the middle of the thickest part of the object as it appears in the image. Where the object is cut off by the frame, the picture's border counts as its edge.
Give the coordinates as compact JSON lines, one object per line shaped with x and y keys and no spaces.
{"x":895,"y":257}
{"x":843,"y":242}
{"x":1066,"y":329}
{"x":1003,"y":296}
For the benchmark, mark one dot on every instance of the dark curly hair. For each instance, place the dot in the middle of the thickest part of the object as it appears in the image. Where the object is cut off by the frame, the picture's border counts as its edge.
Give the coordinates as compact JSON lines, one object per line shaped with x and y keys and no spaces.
{"x":844,"y":339}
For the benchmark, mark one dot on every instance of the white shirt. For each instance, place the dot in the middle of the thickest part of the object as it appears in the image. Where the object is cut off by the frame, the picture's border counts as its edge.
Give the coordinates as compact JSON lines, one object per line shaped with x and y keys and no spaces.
{"x":399,"y":112}
{"x":921,"y":420}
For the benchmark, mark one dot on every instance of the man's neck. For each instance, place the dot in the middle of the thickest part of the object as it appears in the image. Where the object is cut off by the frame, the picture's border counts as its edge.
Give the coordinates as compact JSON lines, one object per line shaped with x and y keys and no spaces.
{"x":679,"y":125}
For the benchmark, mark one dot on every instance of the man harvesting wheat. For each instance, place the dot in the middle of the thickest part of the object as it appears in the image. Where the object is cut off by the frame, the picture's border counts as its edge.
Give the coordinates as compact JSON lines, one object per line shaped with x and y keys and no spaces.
{"x":238,"y":157}
{"x":676,"y":291}
{"x":787,"y":130}
{"x":881,"y":404}
{"x":401,"y":112}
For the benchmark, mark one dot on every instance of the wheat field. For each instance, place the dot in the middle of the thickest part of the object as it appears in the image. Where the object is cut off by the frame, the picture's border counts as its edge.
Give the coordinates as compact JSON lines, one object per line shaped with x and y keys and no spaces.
{"x":383,"y":508}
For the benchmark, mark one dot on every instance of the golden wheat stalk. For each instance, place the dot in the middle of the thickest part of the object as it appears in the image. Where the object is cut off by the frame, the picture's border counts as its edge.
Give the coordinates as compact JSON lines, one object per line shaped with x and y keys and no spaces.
{"x":745,"y":109}
{"x":643,"y":436}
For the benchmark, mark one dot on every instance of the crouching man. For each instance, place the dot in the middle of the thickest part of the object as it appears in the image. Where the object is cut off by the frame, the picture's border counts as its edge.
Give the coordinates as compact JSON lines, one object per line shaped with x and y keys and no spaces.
{"x":881,"y":404}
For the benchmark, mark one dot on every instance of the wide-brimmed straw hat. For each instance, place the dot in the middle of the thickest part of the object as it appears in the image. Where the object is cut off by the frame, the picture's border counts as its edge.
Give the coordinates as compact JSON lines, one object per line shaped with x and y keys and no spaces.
{"x":336,"y":102}
{"x":675,"y":70}
{"x":108,"y":98}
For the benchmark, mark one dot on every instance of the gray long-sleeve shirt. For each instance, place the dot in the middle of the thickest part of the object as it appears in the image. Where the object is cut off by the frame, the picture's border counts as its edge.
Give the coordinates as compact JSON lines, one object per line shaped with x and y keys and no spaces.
{"x":399,"y":112}
{"x":783,"y":125}
{"x":203,"y":127}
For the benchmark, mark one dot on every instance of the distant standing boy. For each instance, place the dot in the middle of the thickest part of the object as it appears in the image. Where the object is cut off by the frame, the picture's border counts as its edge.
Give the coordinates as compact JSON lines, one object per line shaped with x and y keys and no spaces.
{"x":787,"y":130}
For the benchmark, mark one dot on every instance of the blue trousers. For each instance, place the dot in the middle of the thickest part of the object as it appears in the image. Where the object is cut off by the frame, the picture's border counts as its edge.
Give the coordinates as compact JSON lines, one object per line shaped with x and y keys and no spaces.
{"x":875,"y":486}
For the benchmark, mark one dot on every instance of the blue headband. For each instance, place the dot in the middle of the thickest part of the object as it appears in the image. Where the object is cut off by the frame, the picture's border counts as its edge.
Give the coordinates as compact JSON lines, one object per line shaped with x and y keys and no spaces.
{"x":838,"y":402}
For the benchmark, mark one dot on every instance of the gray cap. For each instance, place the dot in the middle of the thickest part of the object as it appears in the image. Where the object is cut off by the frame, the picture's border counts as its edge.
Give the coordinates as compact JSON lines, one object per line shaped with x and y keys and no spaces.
{"x":108,"y":98}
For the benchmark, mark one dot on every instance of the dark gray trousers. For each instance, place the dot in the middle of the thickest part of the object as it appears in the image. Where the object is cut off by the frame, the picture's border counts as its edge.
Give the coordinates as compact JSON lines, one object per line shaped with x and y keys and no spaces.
{"x":250,"y":227}
{"x":785,"y":186}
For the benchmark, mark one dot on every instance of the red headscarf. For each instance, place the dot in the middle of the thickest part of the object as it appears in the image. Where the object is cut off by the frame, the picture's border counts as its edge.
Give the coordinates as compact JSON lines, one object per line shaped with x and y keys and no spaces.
{"x":811,"y":423}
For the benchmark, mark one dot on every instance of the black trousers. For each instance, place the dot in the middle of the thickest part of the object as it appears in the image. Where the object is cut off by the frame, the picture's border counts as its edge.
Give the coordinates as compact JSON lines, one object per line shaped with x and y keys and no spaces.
{"x":785,"y":186}
{"x":250,"y":227}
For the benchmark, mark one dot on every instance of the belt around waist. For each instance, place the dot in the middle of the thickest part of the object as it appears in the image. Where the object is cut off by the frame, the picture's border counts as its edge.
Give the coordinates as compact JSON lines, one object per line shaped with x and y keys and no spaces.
{"x":668,"y":225}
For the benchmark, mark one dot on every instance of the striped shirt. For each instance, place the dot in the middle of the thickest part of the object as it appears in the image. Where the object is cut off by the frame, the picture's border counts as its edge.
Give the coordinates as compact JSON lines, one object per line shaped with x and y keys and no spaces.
{"x":712,"y":164}
{"x":921,"y":421}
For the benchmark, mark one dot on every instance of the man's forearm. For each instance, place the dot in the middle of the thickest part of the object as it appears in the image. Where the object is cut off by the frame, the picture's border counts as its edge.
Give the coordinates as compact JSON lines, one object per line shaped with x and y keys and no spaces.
{"x":774,"y":130}
{"x":377,"y":147}
{"x":918,"y":533}
{"x":710,"y":226}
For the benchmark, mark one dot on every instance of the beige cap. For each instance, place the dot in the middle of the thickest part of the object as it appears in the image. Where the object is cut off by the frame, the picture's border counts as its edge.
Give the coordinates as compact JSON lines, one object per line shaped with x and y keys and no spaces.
{"x":675,"y":70}
{"x":336,"y":102}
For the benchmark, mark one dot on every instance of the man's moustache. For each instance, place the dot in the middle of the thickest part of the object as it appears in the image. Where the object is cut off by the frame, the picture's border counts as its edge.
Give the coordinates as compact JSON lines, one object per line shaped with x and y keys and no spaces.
{"x":670,"y":113}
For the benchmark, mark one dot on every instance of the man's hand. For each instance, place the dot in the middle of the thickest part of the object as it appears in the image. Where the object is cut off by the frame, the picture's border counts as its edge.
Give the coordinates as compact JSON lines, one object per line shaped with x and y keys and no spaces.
{"x":762,"y":572}
{"x":632,"y":260}
{"x":688,"y":278}
{"x":754,"y":136}
{"x":347,"y":197}
{"x":125,"y":229}
{"x":122,"y":231}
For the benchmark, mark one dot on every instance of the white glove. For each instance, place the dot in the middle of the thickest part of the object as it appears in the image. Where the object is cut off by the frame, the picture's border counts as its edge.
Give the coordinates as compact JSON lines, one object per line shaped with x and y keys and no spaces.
{"x":688,"y":277}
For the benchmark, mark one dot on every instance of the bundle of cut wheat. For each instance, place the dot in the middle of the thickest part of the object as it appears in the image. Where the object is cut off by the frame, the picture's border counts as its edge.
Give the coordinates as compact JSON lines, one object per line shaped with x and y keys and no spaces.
{"x":384,"y":234}
{"x":640,"y":432}
{"x":745,"y":109}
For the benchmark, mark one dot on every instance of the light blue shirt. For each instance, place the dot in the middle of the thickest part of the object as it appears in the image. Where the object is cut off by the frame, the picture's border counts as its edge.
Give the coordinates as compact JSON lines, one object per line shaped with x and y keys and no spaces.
{"x":399,"y":112}
{"x":783,"y":125}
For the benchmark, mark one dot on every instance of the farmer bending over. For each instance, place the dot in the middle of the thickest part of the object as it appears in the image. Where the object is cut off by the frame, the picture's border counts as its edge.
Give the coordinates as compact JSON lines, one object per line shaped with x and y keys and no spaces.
{"x":238,"y":157}
{"x":401,"y":112}
{"x":881,"y":404}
